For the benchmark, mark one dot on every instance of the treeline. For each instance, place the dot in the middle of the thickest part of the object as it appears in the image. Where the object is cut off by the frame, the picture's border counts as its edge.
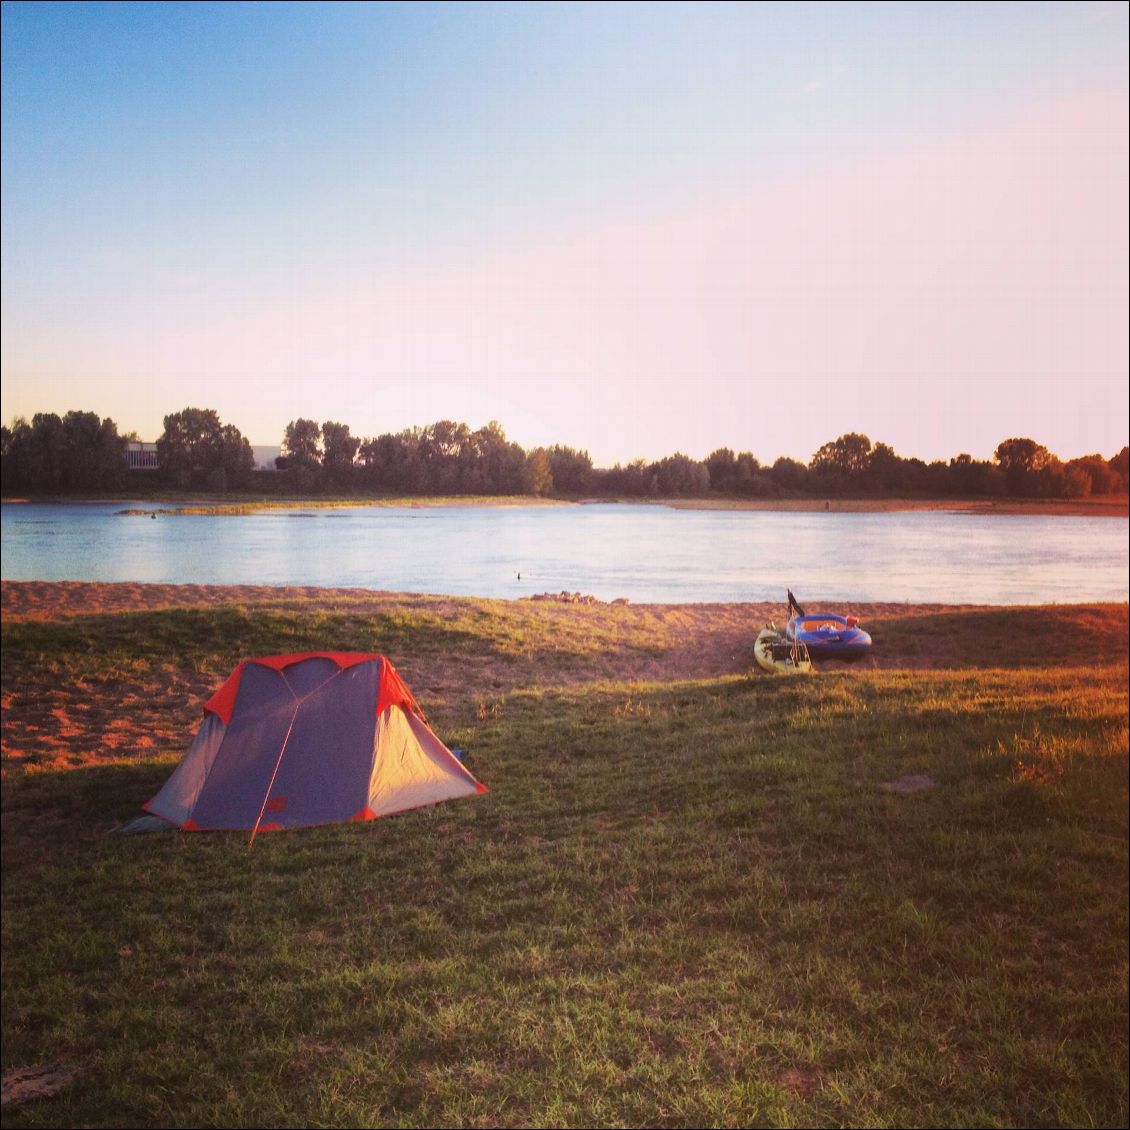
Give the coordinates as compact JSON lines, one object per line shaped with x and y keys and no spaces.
{"x":80,"y":452}
{"x":449,"y":458}
{"x":62,"y":455}
{"x":442,"y":458}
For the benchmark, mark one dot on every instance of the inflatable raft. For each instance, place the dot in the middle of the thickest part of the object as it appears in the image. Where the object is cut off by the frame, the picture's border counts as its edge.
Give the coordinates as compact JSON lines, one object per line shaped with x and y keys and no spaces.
{"x":829,"y":637}
{"x":826,"y":635}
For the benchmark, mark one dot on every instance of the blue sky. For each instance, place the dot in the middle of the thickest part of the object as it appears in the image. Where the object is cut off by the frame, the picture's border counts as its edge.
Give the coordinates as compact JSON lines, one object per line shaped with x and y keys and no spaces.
{"x":559,"y":216}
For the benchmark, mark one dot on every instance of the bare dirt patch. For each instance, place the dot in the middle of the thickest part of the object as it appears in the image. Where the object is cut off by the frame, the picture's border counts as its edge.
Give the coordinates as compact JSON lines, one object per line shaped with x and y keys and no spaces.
{"x":22,"y":1084}
{"x":500,"y":646}
{"x":67,"y":725}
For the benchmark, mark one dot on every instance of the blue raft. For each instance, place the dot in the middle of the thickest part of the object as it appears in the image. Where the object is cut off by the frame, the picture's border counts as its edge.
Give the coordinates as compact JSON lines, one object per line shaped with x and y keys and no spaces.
{"x":827,"y":635}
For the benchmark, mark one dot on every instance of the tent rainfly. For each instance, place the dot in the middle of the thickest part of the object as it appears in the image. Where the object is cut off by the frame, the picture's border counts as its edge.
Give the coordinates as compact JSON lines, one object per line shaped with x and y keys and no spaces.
{"x":291,"y":741}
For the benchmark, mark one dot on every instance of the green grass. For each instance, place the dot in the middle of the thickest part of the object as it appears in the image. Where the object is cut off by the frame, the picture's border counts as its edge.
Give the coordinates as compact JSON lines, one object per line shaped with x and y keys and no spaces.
{"x":681,"y":904}
{"x":213,"y":640}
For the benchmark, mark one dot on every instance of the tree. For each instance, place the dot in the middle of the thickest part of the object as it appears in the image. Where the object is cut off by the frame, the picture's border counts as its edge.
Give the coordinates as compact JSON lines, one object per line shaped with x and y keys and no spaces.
{"x":1022,"y":454}
{"x":748,"y":479}
{"x":636,"y":480}
{"x":340,"y":450}
{"x":1023,"y":460}
{"x":187,"y":448}
{"x":721,"y":466}
{"x":7,"y":463}
{"x":850,"y":455}
{"x":969,"y":476}
{"x":735,"y":474}
{"x":884,"y":470}
{"x":14,"y":465}
{"x":441,"y":445}
{"x":197,"y":450}
{"x":539,"y":476}
{"x":92,"y":452}
{"x":236,"y":459}
{"x":47,"y":450}
{"x":491,"y":464}
{"x":789,"y":475}
{"x":1120,"y":465}
{"x":385,"y":461}
{"x":679,"y":474}
{"x":300,"y":443}
{"x":1100,"y":477}
{"x":571,"y":470}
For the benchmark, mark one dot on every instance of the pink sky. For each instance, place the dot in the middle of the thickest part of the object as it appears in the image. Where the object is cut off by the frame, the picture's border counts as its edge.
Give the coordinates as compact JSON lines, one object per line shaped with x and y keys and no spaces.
{"x":940,"y":298}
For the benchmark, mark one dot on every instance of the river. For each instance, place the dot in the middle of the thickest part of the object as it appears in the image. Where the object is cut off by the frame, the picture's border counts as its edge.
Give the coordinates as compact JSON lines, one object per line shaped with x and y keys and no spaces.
{"x":643,"y":553}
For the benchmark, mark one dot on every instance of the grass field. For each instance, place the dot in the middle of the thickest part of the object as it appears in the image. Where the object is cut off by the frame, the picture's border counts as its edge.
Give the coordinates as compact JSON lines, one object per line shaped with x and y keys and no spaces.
{"x":687,"y":900}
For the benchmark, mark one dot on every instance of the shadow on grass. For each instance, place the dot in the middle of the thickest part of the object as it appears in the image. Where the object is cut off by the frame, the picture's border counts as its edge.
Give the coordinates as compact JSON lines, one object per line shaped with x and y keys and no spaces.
{"x":1043,"y":636}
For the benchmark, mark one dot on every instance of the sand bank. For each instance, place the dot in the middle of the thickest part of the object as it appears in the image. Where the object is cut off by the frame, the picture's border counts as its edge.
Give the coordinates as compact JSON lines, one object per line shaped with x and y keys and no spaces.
{"x":76,"y":690}
{"x":1107,"y":506}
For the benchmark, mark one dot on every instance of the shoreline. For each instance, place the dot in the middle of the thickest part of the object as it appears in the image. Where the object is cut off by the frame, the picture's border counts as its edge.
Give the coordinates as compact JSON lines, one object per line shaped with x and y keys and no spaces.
{"x":47,"y":600}
{"x":1117,"y":506}
{"x":1104,"y":506}
{"x":43,"y":600}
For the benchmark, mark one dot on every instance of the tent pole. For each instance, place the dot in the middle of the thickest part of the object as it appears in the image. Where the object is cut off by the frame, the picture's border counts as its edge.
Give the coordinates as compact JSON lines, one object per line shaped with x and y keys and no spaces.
{"x":271,"y":782}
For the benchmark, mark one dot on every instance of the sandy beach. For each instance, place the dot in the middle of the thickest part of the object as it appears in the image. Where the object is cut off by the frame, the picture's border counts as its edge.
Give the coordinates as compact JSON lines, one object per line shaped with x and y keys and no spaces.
{"x":147,"y":709}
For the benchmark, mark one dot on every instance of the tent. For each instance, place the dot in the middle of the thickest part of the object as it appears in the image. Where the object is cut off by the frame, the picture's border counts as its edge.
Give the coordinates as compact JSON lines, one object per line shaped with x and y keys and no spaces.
{"x":291,"y":741}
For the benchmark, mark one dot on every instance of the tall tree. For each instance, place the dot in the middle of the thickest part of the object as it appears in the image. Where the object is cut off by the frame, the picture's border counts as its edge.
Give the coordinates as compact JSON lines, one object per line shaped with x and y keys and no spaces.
{"x":849,"y":455}
{"x":444,"y":453}
{"x":197,"y":450}
{"x":237,"y":460}
{"x":339,"y":450}
{"x":15,"y":464}
{"x":539,"y":475}
{"x":571,"y":470}
{"x":93,"y":452}
{"x":789,"y":475}
{"x":500,"y":466}
{"x":48,"y":450}
{"x":1099,"y":476}
{"x":679,"y":474}
{"x":1024,"y":463}
{"x":1023,"y":454}
{"x":1120,"y":465}
{"x":187,"y":449}
{"x":884,"y":471}
{"x":300,"y":443}
{"x":722,"y":467}
{"x":970,"y":476}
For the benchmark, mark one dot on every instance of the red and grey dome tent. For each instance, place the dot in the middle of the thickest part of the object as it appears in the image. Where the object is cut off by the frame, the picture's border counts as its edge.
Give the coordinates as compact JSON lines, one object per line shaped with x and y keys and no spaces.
{"x":291,"y":741}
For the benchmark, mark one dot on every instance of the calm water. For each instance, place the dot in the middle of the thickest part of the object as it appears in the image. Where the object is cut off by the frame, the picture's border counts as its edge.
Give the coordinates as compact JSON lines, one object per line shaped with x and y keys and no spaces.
{"x":644,"y":553}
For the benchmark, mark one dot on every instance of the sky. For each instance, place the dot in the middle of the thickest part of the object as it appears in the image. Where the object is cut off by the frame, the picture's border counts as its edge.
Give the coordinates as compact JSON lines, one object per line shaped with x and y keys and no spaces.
{"x":633,"y":229}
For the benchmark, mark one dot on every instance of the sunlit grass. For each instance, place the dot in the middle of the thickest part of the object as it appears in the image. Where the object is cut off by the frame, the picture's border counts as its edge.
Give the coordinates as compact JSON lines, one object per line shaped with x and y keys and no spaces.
{"x":682,"y":903}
